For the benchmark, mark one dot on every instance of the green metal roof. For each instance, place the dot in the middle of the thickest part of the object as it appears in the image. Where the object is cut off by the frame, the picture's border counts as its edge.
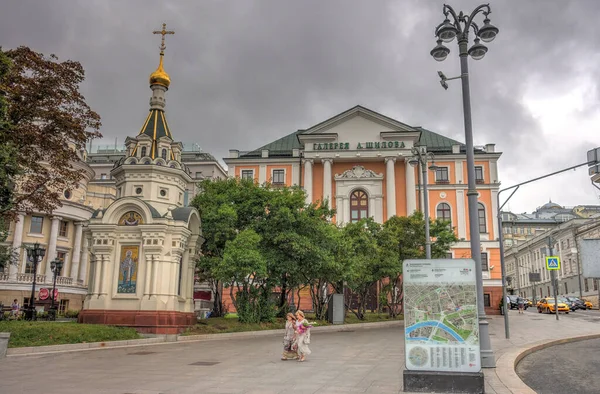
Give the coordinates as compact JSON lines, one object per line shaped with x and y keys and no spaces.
{"x":283,"y":147}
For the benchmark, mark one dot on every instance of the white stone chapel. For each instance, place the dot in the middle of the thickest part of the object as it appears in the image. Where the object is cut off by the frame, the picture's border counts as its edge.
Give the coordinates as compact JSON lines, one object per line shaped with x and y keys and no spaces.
{"x":143,"y":246}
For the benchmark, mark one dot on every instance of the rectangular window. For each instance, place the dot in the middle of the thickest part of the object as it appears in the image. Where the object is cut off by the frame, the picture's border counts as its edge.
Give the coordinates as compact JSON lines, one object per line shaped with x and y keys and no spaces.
{"x":568,"y":242}
{"x":566,"y":288}
{"x":63,"y":306}
{"x":278,"y":177}
{"x":62,"y":256}
{"x":199,"y":175}
{"x":595,"y":284}
{"x":103,"y":176}
{"x":63,"y":230}
{"x":37,"y":223}
{"x":449,"y":255}
{"x":487,"y":300}
{"x":586,"y":285}
{"x":479,"y":174}
{"x":248,"y":174}
{"x":441,"y":175}
{"x":484,"y":261}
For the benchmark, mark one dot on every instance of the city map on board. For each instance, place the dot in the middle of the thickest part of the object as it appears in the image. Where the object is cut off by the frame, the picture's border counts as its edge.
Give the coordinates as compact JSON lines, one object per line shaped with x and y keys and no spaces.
{"x":440,"y":315}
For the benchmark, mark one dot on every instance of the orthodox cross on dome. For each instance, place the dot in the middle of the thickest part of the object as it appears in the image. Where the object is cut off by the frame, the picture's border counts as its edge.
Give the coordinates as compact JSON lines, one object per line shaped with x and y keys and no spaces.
{"x":163,"y":32}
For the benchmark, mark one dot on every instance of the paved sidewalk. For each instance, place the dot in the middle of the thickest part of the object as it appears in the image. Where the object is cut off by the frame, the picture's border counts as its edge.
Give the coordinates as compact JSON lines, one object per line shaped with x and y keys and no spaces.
{"x":354,"y":361}
{"x":528,"y":332}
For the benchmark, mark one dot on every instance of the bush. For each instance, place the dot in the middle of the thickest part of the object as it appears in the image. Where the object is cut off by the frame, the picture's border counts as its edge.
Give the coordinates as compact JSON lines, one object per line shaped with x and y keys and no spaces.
{"x":255,"y":307}
{"x":72,"y":314}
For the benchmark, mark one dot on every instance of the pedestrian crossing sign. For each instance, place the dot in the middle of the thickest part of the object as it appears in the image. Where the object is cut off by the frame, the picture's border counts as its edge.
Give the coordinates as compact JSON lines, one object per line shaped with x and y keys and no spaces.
{"x":552,"y":262}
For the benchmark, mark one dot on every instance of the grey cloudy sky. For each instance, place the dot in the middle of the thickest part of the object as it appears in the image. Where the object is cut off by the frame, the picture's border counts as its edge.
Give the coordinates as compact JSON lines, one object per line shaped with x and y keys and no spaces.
{"x":247,"y":72}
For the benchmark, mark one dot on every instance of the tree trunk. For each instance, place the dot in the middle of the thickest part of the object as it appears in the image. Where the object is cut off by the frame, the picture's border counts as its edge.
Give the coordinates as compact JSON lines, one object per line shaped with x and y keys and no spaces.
{"x":283,"y":297}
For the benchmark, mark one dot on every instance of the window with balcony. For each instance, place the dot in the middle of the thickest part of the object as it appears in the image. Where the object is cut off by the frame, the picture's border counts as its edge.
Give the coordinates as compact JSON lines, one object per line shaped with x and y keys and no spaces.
{"x":37,"y":224}
{"x":279,"y":177}
{"x":479,"y":174}
{"x":441,"y":175}
{"x":248,"y":174}
{"x":62,"y":256}
{"x":359,"y":206}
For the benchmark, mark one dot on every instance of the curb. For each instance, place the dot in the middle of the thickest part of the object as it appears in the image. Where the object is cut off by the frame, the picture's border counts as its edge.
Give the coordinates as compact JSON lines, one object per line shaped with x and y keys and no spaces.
{"x":262,"y":333}
{"x":507,"y":363}
{"x":162,"y":340}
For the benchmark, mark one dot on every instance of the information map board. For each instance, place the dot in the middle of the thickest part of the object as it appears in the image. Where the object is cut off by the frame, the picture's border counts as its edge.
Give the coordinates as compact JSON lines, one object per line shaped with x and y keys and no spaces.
{"x":440,"y":315}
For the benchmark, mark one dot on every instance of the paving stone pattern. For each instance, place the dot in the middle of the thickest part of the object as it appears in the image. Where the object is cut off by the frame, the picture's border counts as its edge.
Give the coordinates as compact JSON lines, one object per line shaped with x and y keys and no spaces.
{"x":361,"y":361}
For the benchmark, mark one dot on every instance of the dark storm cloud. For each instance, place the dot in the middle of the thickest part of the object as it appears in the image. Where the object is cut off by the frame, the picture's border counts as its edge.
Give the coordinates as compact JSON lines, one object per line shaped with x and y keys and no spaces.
{"x":245,"y":73}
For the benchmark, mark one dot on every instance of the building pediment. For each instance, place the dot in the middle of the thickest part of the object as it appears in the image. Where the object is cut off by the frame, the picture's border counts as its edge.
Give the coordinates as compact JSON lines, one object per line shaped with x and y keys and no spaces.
{"x":358,"y":172}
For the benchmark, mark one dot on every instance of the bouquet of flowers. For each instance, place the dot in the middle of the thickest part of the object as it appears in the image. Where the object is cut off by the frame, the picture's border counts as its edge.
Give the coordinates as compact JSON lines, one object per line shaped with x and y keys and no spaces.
{"x":302,"y":328}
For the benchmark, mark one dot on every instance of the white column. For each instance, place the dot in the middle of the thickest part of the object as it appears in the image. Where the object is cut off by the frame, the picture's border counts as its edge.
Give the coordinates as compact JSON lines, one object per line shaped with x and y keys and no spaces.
{"x":97,"y":273}
{"x":295,"y":174}
{"x":76,"y":252}
{"x":494,"y":215}
{"x":308,"y":179}
{"x":16,"y":245}
{"x":390,"y":185}
{"x":461,"y":214}
{"x":262,"y":174}
{"x":411,"y":190}
{"x":379,"y":211}
{"x":51,"y":253}
{"x":84,"y":261}
{"x":148,"y":276}
{"x":327,"y":179}
{"x":372,"y":209}
{"x":339,"y":213}
{"x":346,"y":209}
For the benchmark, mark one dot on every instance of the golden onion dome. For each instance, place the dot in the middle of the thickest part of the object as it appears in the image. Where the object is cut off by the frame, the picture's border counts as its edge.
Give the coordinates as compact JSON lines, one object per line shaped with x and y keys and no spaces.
{"x":160,"y":76}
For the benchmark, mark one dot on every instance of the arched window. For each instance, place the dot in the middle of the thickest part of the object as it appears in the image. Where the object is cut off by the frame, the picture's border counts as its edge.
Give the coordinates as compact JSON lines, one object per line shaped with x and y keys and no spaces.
{"x":443,"y":212}
{"x":144,"y":151}
{"x":481,"y":217}
{"x":164,"y":154}
{"x":359,"y":206}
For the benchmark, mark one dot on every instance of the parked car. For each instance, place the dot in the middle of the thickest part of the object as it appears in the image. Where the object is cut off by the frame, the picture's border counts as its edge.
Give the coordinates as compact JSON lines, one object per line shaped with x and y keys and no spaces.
{"x":576,"y":303}
{"x":588,"y":304}
{"x":548,"y":305}
{"x":528,"y":302}
{"x":514,"y":302}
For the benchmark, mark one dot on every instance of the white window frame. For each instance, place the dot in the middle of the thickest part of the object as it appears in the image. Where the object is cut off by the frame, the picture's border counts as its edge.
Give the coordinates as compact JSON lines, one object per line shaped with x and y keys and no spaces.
{"x":447,"y":172}
{"x":273,"y":176}
{"x":246,"y":170}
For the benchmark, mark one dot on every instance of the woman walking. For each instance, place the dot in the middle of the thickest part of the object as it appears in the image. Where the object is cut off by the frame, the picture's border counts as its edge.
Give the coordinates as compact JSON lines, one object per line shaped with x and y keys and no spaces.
{"x":302,"y":336}
{"x":289,"y":338}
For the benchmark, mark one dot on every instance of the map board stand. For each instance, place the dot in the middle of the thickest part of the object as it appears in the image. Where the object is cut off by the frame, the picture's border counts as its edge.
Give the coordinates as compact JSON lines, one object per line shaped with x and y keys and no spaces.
{"x":590,"y":261}
{"x":441,"y":327}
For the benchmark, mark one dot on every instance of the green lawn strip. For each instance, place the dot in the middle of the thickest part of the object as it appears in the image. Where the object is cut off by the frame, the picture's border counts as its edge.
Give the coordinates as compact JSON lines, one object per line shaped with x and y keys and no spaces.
{"x":227,"y":324}
{"x":24,"y":333}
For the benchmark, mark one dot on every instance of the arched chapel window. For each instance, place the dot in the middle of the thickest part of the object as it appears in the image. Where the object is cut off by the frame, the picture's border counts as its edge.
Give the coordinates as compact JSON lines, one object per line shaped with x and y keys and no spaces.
{"x":144,"y":151}
{"x":481,"y":217}
{"x":164,"y":154}
{"x":444,"y":212}
{"x":359,"y":205}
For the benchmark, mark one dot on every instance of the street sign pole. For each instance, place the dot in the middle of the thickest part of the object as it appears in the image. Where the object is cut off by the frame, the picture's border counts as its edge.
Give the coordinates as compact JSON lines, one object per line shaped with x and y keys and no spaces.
{"x":553,"y":278}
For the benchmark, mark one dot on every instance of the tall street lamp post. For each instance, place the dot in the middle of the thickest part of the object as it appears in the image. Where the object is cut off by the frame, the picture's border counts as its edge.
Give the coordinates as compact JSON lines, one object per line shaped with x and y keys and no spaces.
{"x":420,"y":157}
{"x":56,"y":267}
{"x":459,"y":28}
{"x":35,"y":255}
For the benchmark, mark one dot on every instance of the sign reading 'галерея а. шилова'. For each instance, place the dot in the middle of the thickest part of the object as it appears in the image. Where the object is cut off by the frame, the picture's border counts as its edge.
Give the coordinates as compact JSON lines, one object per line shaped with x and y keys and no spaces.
{"x":360,"y":145}
{"x":440,"y":315}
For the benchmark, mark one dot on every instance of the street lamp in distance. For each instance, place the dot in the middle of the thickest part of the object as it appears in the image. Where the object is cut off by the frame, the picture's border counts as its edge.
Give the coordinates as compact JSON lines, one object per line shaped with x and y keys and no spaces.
{"x":56,"y":267}
{"x":35,"y":254}
{"x":421,"y":157}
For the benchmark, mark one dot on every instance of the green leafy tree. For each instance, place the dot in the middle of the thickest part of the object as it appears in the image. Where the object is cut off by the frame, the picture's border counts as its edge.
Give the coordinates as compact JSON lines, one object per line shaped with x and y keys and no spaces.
{"x":405,"y":236}
{"x":226,"y":207}
{"x":47,"y":122}
{"x":244,"y":267}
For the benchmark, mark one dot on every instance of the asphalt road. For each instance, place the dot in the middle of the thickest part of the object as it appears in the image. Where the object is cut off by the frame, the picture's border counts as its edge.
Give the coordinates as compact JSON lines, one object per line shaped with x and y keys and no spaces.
{"x":568,"y":368}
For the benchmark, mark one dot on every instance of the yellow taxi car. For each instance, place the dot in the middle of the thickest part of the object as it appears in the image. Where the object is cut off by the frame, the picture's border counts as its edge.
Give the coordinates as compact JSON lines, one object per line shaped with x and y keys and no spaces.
{"x":528,"y":302}
{"x":588,"y":305}
{"x":548,"y":305}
